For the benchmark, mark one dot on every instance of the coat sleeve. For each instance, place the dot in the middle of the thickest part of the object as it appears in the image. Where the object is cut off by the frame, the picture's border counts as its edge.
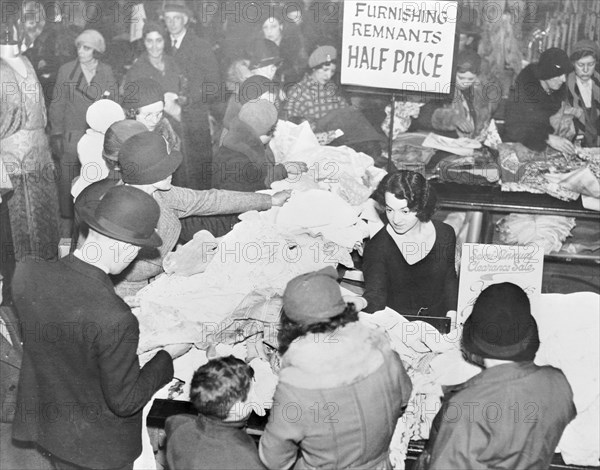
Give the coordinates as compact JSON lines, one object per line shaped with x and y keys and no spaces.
{"x":451,"y":282}
{"x":279,"y":444}
{"x":376,"y":276}
{"x":186,"y":202}
{"x":125,"y":386}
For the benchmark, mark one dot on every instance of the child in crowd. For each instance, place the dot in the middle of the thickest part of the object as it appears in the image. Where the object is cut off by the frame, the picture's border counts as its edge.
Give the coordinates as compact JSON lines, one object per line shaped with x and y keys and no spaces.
{"x":513,"y":413}
{"x":215,"y":439}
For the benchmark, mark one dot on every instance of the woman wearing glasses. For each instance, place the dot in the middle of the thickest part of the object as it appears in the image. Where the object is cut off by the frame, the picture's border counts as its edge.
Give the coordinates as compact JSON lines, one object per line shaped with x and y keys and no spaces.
{"x":583,"y":90}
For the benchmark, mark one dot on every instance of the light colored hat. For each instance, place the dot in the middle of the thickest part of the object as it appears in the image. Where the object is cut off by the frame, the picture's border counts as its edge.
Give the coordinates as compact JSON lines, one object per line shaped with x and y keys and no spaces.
{"x":322,"y":55}
{"x":103,"y":113}
{"x":260,"y":115}
{"x":586,"y":45}
{"x":93,"y":39}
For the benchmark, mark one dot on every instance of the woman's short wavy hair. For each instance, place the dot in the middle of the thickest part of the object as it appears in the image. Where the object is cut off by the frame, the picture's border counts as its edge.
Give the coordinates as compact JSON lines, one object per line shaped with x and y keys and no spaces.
{"x":411,"y":186}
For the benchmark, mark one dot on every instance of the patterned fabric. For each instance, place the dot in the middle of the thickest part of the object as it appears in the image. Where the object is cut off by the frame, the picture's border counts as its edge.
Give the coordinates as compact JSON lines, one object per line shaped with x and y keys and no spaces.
{"x":24,"y":151}
{"x":311,"y":101}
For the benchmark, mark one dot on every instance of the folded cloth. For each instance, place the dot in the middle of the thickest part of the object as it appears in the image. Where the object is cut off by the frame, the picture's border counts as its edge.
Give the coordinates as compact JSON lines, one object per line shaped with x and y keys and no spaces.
{"x":462,"y":146}
{"x":581,"y":181}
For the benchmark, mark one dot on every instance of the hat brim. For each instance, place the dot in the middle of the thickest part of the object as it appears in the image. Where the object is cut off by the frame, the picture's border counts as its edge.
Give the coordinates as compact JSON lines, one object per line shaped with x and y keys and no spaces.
{"x":521,"y":351}
{"x":87,"y":215}
{"x":179,"y":9}
{"x":265,"y":63}
{"x":158,"y":172}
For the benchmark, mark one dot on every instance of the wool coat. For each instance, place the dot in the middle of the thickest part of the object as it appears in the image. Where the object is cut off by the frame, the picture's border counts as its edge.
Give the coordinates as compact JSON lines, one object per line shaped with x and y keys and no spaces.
{"x":81,"y":390}
{"x":243,"y":163}
{"x":590,"y":121}
{"x":509,"y":417}
{"x":205,"y":442}
{"x":337,"y":402}
{"x":528,"y":111}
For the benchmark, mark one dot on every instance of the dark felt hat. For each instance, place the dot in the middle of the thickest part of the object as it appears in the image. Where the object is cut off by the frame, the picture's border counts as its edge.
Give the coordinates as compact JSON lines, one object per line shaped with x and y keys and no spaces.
{"x":145,"y":159}
{"x":313,"y":297}
{"x":142,"y":92}
{"x":124,"y":213}
{"x":553,"y":62}
{"x":263,"y":52}
{"x":468,"y":61}
{"x":501,"y":325}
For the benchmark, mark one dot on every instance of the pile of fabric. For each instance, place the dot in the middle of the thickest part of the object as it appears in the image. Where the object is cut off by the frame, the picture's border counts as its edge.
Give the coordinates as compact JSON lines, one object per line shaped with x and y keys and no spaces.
{"x":547,"y":231}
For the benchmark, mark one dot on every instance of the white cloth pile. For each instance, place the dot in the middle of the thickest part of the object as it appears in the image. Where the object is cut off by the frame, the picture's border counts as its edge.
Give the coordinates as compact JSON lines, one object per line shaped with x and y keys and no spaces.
{"x":547,"y":231}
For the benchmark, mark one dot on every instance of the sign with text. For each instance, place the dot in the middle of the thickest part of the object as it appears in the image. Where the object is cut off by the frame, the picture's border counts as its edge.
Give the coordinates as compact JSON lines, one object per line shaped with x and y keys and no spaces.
{"x":399,"y":45}
{"x":483,"y":265}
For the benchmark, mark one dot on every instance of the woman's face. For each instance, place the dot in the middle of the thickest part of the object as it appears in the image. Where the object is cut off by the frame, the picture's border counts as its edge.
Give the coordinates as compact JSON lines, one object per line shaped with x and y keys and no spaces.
{"x":155,"y":44}
{"x":465,"y":80}
{"x":584,"y":67}
{"x":84,"y":53}
{"x":150,"y":115}
{"x":400,"y":217}
{"x":324,"y":74}
{"x":556,"y":82}
{"x":272,"y":30}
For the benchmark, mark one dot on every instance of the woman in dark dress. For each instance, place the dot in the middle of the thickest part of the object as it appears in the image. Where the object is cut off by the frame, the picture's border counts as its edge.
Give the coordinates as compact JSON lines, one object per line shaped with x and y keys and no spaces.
{"x":409,"y":265}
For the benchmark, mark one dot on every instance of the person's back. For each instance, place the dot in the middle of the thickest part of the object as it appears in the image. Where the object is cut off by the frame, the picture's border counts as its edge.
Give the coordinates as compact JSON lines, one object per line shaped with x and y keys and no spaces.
{"x":512,"y":414}
{"x":215,"y":438}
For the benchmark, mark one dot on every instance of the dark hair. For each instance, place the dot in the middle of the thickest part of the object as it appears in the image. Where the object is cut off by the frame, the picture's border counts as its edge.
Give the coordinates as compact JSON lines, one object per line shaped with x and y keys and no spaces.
{"x":219,"y":384}
{"x":409,"y":185}
{"x":472,"y":358}
{"x":289,"y":330}
{"x":151,"y":27}
{"x":323,"y":65}
{"x":581,"y":54}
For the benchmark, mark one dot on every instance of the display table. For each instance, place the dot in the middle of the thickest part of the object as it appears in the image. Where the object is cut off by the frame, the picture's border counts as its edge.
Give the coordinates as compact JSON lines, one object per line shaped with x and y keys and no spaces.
{"x":487,"y":200}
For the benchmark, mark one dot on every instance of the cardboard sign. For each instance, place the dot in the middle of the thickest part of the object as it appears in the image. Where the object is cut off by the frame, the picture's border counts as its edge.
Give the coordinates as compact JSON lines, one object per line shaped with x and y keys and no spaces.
{"x":405,"y":45}
{"x":483,"y":265}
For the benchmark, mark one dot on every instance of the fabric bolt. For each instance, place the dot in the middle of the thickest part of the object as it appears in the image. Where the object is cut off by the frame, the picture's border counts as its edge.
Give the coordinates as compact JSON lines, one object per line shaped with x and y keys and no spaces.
{"x":84,"y":367}
{"x":72,"y":96}
{"x":529,"y":109}
{"x":324,"y":415}
{"x":206,"y":442}
{"x":431,"y":283}
{"x":310,"y":100}
{"x":25,"y":154}
{"x":538,"y":399}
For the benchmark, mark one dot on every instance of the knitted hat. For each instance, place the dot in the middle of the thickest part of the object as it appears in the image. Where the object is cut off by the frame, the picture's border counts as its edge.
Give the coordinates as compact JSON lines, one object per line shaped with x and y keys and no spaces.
{"x":501,"y":325}
{"x":151,"y":26}
{"x":468,"y":61}
{"x":263,"y":52}
{"x":553,"y":63}
{"x":313,"y":297}
{"x":102,"y":114}
{"x":322,"y":55}
{"x":256,"y":86}
{"x":586,"y":45}
{"x":260,"y":115}
{"x":179,"y":6}
{"x":93,"y":39}
{"x":144,"y":159}
{"x":142,"y":92}
{"x":118,"y":133}
{"x":126,"y":214}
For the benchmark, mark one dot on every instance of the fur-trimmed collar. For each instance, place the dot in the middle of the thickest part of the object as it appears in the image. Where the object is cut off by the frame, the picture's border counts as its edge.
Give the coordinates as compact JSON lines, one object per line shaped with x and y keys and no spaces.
{"x":328,"y":360}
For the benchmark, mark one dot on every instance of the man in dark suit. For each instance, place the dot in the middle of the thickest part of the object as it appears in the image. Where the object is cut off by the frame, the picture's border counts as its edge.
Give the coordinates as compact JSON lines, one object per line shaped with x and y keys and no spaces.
{"x":81,"y":390}
{"x":201,"y":87}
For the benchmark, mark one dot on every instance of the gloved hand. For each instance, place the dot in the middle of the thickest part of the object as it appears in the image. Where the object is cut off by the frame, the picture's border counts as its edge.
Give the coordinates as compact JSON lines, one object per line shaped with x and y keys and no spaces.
{"x":57,"y":145}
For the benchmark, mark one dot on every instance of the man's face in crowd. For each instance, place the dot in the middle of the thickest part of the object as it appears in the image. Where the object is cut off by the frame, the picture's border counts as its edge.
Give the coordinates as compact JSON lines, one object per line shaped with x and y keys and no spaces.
{"x":176,"y":22}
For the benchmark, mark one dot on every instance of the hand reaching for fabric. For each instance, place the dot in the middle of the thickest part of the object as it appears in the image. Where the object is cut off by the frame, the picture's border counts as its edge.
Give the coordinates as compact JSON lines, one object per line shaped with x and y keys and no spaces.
{"x":280,"y":198}
{"x":295,"y":168}
{"x":465,"y":126}
{"x":561,"y":144}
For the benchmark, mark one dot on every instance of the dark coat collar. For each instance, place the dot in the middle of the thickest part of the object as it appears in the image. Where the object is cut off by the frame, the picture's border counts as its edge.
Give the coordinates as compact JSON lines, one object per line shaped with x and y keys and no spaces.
{"x":86,"y":269}
{"x":242,"y":138}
